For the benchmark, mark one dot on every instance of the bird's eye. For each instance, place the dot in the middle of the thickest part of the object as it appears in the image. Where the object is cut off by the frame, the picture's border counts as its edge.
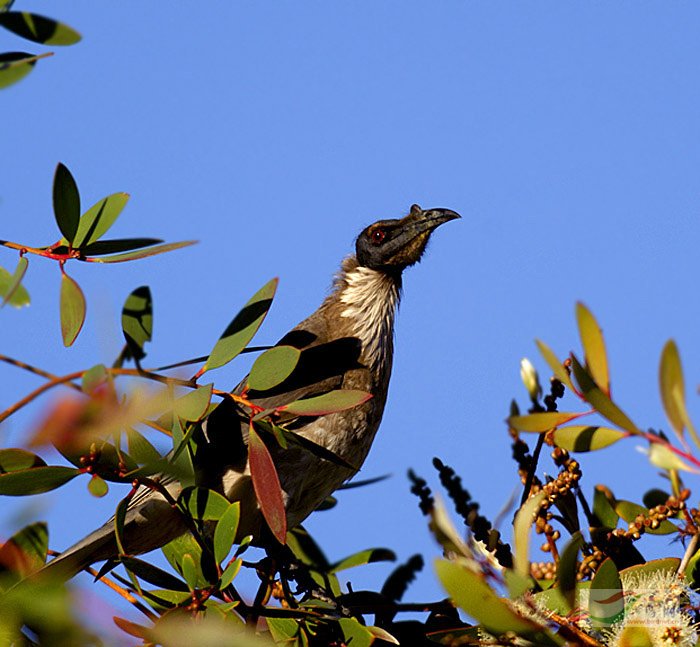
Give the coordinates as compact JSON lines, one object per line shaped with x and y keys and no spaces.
{"x":377,"y":236}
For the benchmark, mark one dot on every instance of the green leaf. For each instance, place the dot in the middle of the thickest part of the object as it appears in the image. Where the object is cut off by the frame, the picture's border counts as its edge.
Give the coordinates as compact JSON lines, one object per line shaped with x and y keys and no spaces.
{"x":66,"y":201}
{"x":553,"y":361}
{"x":634,"y":636}
{"x":36,"y":480}
{"x":664,"y":565}
{"x":273,"y":367}
{"x":203,"y":504}
{"x":140,"y":449}
{"x":97,"y":486}
{"x":137,"y":321}
{"x":25,"y":552}
{"x":176,"y":550}
{"x":11,"y":289}
{"x":225,"y":532}
{"x":267,"y":485}
{"x":38,"y":28}
{"x":331,"y":402}
{"x":540,"y":422}
{"x":116,"y":245}
{"x":606,"y":604}
{"x":524,"y":519}
{"x":354,"y":633}
{"x":13,"y":460}
{"x":602,"y":403}
{"x":470,"y":592}
{"x":182,"y":457}
{"x":672,"y":387}
{"x":593,"y":347}
{"x":143,"y":253}
{"x":662,"y":456}
{"x":14,"y":66}
{"x":195,"y":404}
{"x":72,"y":309}
{"x":630,"y":511}
{"x":586,"y":439}
{"x":243,"y":327}
{"x":97,"y":220}
{"x":368,"y":556}
{"x":568,"y":568}
{"x":230,"y":573}
{"x":6,"y":5}
{"x":119,"y":519}
{"x":604,"y":508}
{"x":94,"y":378}
{"x":190,"y":571}
{"x":306,"y":549}
{"x":153,"y":575}
{"x":282,"y":629}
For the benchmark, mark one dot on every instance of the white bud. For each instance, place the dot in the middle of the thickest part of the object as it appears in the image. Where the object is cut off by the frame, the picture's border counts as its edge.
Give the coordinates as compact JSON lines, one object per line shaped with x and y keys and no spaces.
{"x":528,"y":374}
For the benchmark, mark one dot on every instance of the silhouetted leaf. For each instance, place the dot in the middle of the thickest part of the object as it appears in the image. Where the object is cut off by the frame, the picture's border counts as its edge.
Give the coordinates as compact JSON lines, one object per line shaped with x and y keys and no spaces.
{"x":116,"y":245}
{"x":604,"y":508}
{"x":25,"y":552}
{"x":331,"y":402}
{"x":630,"y":511}
{"x":593,"y":347}
{"x":203,"y":504}
{"x":13,"y":460}
{"x":267,"y":485}
{"x":273,"y":367}
{"x":555,"y":364}
{"x":540,"y":422}
{"x":97,"y":220}
{"x":38,"y":28}
{"x":242,"y":329}
{"x":6,"y":5}
{"x":306,"y":549}
{"x":364,"y":557}
{"x":524,"y":519}
{"x":195,"y":404}
{"x":72,"y":309}
{"x":350,"y":485}
{"x":584,"y":438}
{"x":602,"y":403}
{"x":36,"y":480}
{"x":655,"y":497}
{"x":153,"y":575}
{"x":606,"y":604}
{"x":225,"y":532}
{"x":14,"y":66}
{"x":66,"y":201}
{"x":137,"y":320}
{"x":568,"y":568}
{"x":143,"y":253}
{"x":97,"y":486}
{"x":11,"y":289}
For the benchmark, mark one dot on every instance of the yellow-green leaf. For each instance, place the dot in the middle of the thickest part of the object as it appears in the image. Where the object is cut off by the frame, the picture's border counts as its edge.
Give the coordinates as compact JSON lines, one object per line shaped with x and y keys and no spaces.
{"x":97,"y":220}
{"x":593,"y":347}
{"x":557,"y":367}
{"x":194,"y":404}
{"x":539,"y":422}
{"x":72,"y":309}
{"x":583,"y":438}
{"x":14,"y":66}
{"x":273,"y":367}
{"x":38,"y":28}
{"x":521,"y":533}
{"x":11,"y":289}
{"x":662,"y":456}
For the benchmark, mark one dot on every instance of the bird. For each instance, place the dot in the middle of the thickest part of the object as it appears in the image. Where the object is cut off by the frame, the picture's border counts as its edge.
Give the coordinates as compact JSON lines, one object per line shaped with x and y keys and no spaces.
{"x":347,"y":343}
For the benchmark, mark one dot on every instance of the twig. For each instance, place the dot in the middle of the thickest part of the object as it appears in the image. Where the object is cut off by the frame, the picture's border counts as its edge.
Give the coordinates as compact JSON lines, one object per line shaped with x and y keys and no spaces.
{"x":125,"y":594}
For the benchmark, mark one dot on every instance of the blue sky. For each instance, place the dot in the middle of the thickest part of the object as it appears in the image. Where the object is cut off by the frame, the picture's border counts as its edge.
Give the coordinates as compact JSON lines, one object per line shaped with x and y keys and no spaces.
{"x":566,"y":134}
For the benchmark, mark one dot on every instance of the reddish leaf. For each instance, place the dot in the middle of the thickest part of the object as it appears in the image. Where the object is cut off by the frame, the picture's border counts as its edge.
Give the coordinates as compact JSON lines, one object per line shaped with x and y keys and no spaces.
{"x":266,"y":484}
{"x":139,"y":631}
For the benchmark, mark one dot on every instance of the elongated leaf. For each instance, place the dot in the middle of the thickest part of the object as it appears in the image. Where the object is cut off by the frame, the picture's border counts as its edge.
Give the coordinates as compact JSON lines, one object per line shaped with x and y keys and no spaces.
{"x":604,"y":507}
{"x":194,"y":404}
{"x":331,"y":402}
{"x":286,"y":438}
{"x":119,"y":519}
{"x":73,"y":308}
{"x":568,"y":567}
{"x":153,"y":575}
{"x":602,"y":403}
{"x":553,"y":361}
{"x":606,"y":604}
{"x":225,"y":532}
{"x":140,"y":448}
{"x":539,"y":422}
{"x":242,"y":329}
{"x":36,"y":480}
{"x":116,"y":245}
{"x":97,"y":220}
{"x":662,"y":456}
{"x":230,"y":573}
{"x":521,"y":533}
{"x":586,"y":439}
{"x":267,"y":486}
{"x":306,"y":549}
{"x":470,"y":592}
{"x":11,"y":289}
{"x":13,"y":460}
{"x":25,"y":552}
{"x":142,"y":253}
{"x":593,"y":347}
{"x":14,"y":66}
{"x":66,"y":201}
{"x":190,"y":572}
{"x":630,"y":511}
{"x":203,"y":504}
{"x":368,"y":556}
{"x":38,"y":28}
{"x":137,"y":321}
{"x":273,"y":367}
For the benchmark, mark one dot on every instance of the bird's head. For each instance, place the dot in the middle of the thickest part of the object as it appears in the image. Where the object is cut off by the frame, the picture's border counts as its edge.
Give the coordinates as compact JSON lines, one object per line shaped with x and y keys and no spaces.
{"x":392,"y":245}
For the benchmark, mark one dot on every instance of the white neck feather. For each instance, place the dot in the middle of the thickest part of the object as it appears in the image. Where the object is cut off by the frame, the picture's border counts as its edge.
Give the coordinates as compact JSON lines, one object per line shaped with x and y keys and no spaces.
{"x":371,"y":298}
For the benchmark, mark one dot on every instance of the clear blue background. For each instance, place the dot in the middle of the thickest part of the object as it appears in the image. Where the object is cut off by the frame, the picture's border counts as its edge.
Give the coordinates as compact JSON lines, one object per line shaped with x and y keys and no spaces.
{"x":565,"y":133}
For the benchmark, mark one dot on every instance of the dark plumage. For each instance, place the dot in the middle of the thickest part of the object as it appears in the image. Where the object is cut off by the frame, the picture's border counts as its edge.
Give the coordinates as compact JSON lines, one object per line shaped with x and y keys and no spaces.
{"x":346,"y":344}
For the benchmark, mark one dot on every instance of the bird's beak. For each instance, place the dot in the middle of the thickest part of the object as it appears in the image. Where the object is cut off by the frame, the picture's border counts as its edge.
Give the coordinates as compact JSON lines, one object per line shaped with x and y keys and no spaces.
{"x":421,"y":221}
